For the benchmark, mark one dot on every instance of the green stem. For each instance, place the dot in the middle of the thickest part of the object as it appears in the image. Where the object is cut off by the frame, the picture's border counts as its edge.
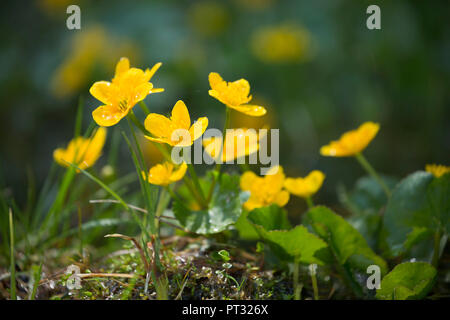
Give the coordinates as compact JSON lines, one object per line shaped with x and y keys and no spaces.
{"x":197,"y":183}
{"x":80,"y":232}
{"x":219,"y":165}
{"x":437,"y":248}
{"x":314,"y":284}
{"x":192,"y":190}
{"x":144,"y":107}
{"x":366,"y":165}
{"x":172,"y":194}
{"x":309,"y":202}
{"x":346,"y":273}
{"x":297,"y":286}
{"x":136,"y":122}
{"x":13,"y":262}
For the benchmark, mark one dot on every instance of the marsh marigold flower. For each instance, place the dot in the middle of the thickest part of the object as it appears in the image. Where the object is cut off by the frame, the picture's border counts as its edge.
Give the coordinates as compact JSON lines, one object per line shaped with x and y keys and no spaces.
{"x":265,"y":190}
{"x":234,"y":95}
{"x":351,"y":142}
{"x":173,"y":131}
{"x":283,"y":43}
{"x":81,"y":151}
{"x":238,"y":143}
{"x":165,"y":173}
{"x":307,"y":186}
{"x":437,"y":170}
{"x":128,"y":87}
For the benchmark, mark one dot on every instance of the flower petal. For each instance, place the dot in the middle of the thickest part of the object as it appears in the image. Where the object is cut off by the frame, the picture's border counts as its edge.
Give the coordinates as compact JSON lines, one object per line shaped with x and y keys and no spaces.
{"x":59,"y":155}
{"x":253,"y":203}
{"x":122,"y":66}
{"x":179,"y":173}
{"x":180,"y":116}
{"x":106,"y":116}
{"x":198,"y":128}
{"x":95,"y":146}
{"x":282,"y":198}
{"x":215,"y":81}
{"x":101,"y":90}
{"x":150,"y":73}
{"x":158,"y":125}
{"x":142,"y":91}
{"x":159,"y":140}
{"x":248,"y":179}
{"x":157,"y":90}
{"x":251,"y":110}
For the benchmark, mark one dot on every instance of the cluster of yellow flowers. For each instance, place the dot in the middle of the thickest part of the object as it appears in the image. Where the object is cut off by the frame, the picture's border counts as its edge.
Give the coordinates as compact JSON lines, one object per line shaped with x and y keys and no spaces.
{"x":132,"y":85}
{"x":275,"y":187}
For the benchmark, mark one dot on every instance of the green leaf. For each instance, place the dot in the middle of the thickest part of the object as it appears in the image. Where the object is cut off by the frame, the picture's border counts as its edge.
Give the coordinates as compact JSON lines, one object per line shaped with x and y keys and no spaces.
{"x":407,"y":281}
{"x":270,"y":218}
{"x":347,"y":244}
{"x":367,"y":195}
{"x":224,"y":254}
{"x":296,"y":244}
{"x":224,"y":209}
{"x":246,"y":230}
{"x":420,"y":202}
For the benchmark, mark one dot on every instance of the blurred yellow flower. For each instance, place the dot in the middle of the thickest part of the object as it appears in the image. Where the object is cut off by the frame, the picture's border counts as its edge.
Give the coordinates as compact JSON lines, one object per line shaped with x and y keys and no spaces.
{"x":75,"y":69}
{"x":128,"y":87}
{"x":173,"y":131}
{"x":208,"y":18}
{"x":234,"y":95}
{"x":265,"y":190}
{"x":165,"y":174}
{"x":437,"y":170}
{"x":81,"y":151}
{"x":90,"y":49}
{"x":305,"y":187}
{"x":255,"y":4}
{"x":283,"y":43}
{"x":353,"y":142}
{"x":238,"y":143}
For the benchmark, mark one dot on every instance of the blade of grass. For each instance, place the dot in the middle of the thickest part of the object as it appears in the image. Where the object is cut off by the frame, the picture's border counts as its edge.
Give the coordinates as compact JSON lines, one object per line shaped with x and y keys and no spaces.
{"x":36,"y":279}
{"x":13,"y":262}
{"x":112,"y":193}
{"x":144,"y":188}
{"x":79,"y":117}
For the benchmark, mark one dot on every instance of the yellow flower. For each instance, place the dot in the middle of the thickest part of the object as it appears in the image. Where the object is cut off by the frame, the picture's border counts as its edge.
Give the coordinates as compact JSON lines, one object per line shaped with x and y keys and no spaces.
{"x":305,"y":187}
{"x":128,"y":87}
{"x":437,"y":170}
{"x":176,"y":131}
{"x":208,"y":18}
{"x":234,"y":95}
{"x":352,"y":142}
{"x":164,"y":174}
{"x":244,"y":142}
{"x":284,"y":43}
{"x":265,"y":190}
{"x":90,"y":48}
{"x":82,"y":152}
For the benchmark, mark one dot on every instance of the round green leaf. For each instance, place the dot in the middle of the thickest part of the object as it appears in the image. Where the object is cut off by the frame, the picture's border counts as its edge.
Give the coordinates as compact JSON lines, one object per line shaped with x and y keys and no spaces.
{"x":347,"y":243}
{"x":420,"y":202}
{"x":407,"y":281}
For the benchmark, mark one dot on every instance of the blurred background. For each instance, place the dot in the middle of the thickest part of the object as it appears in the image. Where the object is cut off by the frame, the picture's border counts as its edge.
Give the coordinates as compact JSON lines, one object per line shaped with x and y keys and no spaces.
{"x":313,"y":64}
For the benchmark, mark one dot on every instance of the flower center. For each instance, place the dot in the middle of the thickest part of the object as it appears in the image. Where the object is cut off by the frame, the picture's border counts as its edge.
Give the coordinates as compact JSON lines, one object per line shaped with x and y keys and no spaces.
{"x":123,"y":104}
